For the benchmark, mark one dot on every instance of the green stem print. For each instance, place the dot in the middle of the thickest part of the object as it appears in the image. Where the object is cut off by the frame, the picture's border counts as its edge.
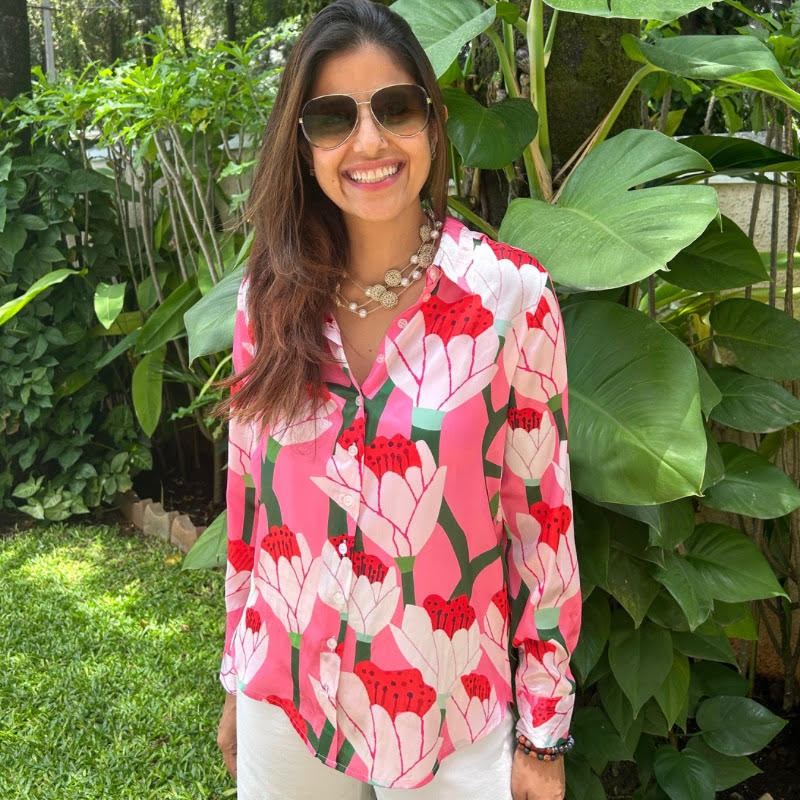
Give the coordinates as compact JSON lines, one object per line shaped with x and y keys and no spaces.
{"x":406,"y":566}
{"x":295,"y":637}
{"x":325,"y":738}
{"x":268,"y":495}
{"x":249,"y":508}
{"x":363,"y":647}
{"x":344,"y":756}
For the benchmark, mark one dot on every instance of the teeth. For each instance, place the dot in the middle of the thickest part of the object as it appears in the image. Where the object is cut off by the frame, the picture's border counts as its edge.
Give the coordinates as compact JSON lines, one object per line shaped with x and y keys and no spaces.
{"x":374,"y":175}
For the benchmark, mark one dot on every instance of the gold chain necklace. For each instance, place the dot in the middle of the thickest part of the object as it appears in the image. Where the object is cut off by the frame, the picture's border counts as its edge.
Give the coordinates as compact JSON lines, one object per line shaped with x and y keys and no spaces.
{"x":396,"y":280}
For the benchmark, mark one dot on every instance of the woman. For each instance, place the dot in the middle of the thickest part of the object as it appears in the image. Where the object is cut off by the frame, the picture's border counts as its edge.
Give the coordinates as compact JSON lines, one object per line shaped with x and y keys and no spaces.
{"x":398,"y":495}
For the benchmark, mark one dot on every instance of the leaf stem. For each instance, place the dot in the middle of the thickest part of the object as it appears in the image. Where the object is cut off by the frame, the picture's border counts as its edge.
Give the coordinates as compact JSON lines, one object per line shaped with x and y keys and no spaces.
{"x":536,"y":59}
{"x":462,"y":208}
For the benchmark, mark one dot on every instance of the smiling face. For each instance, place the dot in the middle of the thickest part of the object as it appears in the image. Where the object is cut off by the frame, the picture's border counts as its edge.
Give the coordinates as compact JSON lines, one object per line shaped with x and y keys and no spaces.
{"x":374,"y":176}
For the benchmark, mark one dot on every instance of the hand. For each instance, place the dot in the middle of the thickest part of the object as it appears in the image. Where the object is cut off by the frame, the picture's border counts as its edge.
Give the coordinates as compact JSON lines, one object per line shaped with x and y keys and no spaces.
{"x":532,"y":779}
{"x":226,"y":733}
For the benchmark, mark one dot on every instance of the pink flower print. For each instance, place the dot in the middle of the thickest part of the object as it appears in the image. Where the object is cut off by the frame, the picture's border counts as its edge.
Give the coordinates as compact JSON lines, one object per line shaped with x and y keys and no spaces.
{"x":391,"y":719}
{"x":237,"y":574}
{"x":542,"y":681}
{"x":242,"y":438}
{"x":441,"y":639}
{"x":287,"y":578}
{"x":507,"y":285}
{"x":544,"y":555}
{"x":374,"y":596}
{"x":227,"y":674}
{"x":250,"y":643}
{"x":342,"y":470}
{"x":308,"y":425}
{"x":326,"y":688}
{"x":541,"y":369}
{"x":445,"y":356}
{"x":531,"y":440}
{"x":336,"y":571}
{"x":298,"y":723}
{"x":494,"y":638}
{"x":472,"y":709}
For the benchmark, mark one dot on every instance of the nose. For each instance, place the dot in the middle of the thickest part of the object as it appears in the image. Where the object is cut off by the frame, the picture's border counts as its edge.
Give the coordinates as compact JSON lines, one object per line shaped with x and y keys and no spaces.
{"x":368,"y":136}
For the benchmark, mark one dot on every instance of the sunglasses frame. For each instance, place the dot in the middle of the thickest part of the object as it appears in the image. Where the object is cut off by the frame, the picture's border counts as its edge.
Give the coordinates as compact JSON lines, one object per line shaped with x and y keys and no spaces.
{"x":429,"y":104}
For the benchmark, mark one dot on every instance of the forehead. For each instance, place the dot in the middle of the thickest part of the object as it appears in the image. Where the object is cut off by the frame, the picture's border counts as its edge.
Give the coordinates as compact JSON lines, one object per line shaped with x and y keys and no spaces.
{"x":359,"y":71}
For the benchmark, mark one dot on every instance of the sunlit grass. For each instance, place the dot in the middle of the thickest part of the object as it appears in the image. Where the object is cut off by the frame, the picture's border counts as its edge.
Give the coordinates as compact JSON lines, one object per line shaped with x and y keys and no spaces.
{"x":108,"y":669}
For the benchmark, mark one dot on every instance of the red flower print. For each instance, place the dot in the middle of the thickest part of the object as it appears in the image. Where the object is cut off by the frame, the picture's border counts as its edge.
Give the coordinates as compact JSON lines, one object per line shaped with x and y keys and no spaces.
{"x":554,"y":520}
{"x":298,"y":723}
{"x":280,"y":542}
{"x":465,"y":316}
{"x":370,"y":566}
{"x":449,"y":617}
{"x":476,"y":685}
{"x":241,"y":555}
{"x":526,"y":419}
{"x":353,"y":436}
{"x":348,"y":541}
{"x":253,"y":620}
{"x":500,"y":599}
{"x":536,"y":319}
{"x":396,"y":690}
{"x":516,"y":256}
{"x":397,"y":454}
{"x":536,"y":648}
{"x":543,"y":710}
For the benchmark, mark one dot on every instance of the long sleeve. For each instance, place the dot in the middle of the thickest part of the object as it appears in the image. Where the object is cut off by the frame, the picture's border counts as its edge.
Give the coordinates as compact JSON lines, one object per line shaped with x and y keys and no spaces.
{"x":240,"y":497}
{"x":536,"y":505}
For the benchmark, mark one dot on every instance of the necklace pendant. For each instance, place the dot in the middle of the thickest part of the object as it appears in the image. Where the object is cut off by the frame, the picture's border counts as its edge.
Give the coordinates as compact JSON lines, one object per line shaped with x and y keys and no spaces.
{"x":388,"y":299}
{"x":376,"y":291}
{"x":393,"y":277}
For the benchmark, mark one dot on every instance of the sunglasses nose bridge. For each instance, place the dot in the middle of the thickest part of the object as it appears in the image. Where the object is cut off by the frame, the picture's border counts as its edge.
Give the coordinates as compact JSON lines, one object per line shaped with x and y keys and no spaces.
{"x":373,"y":126}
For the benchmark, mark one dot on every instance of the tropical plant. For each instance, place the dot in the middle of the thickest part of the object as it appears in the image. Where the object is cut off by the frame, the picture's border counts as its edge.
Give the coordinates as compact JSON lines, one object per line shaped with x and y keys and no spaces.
{"x":664,"y":348}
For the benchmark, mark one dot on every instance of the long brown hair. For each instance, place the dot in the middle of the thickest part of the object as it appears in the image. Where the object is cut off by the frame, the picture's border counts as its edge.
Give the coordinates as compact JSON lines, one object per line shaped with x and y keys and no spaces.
{"x":300,"y":246}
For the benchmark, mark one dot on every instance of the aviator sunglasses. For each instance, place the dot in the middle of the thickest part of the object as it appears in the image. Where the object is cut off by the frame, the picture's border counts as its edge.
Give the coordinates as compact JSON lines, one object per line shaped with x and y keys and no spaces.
{"x":330,"y":120}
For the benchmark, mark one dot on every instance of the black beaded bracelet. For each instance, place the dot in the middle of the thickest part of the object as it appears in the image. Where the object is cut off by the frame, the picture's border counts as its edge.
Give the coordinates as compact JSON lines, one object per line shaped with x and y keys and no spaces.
{"x":545,"y":753}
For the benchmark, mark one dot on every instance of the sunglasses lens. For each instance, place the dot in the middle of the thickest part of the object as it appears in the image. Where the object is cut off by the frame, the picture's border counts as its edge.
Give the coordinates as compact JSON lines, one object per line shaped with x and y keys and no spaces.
{"x":328,"y":121}
{"x":402,"y":110}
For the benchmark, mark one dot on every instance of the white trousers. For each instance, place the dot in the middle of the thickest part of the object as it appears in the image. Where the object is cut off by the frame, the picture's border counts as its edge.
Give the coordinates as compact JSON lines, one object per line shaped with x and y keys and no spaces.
{"x":273,"y":763}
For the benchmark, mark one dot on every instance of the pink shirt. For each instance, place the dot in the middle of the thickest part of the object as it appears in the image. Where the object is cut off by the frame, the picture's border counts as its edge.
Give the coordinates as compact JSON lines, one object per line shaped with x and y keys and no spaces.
{"x":388,"y":548}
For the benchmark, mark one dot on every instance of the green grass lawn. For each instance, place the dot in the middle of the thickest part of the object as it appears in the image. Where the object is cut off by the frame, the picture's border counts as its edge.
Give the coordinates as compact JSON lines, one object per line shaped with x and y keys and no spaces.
{"x":108,"y":668}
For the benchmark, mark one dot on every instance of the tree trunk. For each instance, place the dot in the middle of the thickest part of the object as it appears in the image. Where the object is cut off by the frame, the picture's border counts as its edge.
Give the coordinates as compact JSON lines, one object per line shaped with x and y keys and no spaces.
{"x":149,"y":18}
{"x":230,"y":19}
{"x":587,"y":71}
{"x":15,"y":50}
{"x":184,"y":29}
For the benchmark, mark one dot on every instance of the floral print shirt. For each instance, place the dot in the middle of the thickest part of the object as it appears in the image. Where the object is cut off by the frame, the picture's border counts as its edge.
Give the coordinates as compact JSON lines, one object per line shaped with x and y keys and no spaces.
{"x":397,"y":552}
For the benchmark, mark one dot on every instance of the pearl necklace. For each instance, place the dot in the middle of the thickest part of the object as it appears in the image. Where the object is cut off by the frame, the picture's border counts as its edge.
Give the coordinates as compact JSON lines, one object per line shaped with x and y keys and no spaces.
{"x":396,"y":280}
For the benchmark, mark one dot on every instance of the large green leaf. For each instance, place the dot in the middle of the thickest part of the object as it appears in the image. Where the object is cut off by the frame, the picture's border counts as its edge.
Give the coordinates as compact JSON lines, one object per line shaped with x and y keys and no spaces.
{"x":631,"y":585}
{"x":753,"y":404}
{"x":630,"y":9}
{"x":736,"y":726}
{"x":728,"y":770}
{"x":752,"y":486}
{"x":685,"y":775}
{"x":166,"y":323}
{"x":757,"y":338}
{"x":445,"y":26}
{"x":211,"y":549}
{"x":595,"y":627}
{"x":710,"y":395}
{"x":735,"y":59}
{"x":719,"y":259}
{"x":148,"y":379}
{"x":708,"y":642}
{"x":601,"y":234}
{"x":600,"y":742}
{"x":685,"y":584}
{"x":735,"y":156}
{"x":15,"y":305}
{"x":636,"y":432}
{"x":108,"y":301}
{"x":729,"y":566}
{"x":640,"y":658}
{"x":489,"y":138}
{"x":670,"y":523}
{"x":210,"y":321}
{"x":671,"y":695}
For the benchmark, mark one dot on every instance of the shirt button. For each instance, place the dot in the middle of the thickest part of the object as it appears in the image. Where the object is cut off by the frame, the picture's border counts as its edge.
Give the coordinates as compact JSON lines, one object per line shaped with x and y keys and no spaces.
{"x":332,"y":643}
{"x":402,"y":322}
{"x":380,"y":358}
{"x":433,"y":273}
{"x":343,"y":548}
{"x":359,"y":401}
{"x":353,"y":450}
{"x":347,"y":500}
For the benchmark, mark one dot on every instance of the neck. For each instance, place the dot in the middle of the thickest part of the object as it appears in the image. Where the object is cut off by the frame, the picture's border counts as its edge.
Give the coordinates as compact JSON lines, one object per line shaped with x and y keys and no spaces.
{"x":378,"y":246}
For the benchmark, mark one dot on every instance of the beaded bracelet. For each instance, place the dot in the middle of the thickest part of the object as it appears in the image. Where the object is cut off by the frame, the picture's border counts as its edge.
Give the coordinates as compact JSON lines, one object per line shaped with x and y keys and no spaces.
{"x":545,"y":753}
